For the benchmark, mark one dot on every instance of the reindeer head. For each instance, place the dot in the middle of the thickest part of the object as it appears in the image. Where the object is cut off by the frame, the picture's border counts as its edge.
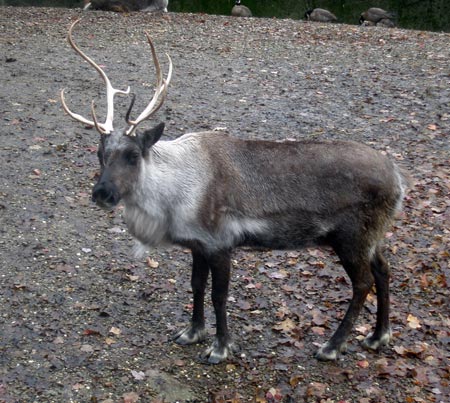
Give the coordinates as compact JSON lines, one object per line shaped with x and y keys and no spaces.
{"x":121,"y":152}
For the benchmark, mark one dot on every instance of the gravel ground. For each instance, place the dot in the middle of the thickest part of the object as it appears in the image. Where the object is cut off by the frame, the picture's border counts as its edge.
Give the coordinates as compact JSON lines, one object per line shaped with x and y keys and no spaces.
{"x":83,"y":321}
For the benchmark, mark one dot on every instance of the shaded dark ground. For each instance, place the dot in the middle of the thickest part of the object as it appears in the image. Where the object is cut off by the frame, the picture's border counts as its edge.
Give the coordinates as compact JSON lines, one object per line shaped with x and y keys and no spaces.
{"x":82,"y":321}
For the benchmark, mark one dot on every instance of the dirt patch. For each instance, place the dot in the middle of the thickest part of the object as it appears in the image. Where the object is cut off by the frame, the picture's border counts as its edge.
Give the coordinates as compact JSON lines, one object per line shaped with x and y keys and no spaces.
{"x":82,"y":321}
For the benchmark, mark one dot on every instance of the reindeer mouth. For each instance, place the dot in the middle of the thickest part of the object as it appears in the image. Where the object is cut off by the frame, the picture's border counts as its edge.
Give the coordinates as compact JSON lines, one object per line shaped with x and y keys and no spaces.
{"x":105,"y":206}
{"x":105,"y":199}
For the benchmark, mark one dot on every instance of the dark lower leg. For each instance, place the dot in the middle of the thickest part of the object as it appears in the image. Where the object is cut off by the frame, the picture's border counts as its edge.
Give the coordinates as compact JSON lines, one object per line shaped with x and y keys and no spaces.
{"x":340,"y":336}
{"x":195,"y":332}
{"x":222,"y":347}
{"x":358,"y":269}
{"x":381,"y":273}
{"x":220,"y":273}
{"x":200,"y":271}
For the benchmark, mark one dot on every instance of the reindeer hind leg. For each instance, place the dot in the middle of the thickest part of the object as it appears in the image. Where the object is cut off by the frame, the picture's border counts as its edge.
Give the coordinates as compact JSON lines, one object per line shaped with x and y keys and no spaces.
{"x":382,"y":333}
{"x":357,"y":265}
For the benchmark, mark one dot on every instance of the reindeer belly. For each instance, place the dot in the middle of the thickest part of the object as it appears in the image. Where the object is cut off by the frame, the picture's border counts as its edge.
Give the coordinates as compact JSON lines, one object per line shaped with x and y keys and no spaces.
{"x":288,"y":232}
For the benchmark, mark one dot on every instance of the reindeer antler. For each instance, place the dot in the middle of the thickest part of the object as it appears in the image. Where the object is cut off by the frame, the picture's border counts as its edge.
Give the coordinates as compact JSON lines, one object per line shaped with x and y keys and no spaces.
{"x":161,"y":90}
{"x":103,"y":128}
{"x":155,"y":103}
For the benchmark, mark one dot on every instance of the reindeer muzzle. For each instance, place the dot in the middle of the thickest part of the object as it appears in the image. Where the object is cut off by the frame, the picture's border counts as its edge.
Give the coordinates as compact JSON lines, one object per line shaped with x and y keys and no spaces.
{"x":105,"y":195}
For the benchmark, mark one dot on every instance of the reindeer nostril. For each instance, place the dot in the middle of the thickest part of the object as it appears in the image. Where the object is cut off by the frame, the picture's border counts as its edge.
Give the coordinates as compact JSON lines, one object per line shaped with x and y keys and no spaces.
{"x":105,"y":196}
{"x":100,"y":194}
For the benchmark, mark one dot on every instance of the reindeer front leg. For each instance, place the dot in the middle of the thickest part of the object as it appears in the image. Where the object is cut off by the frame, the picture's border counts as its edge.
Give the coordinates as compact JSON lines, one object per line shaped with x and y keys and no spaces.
{"x":223,"y":347}
{"x":196,"y":332}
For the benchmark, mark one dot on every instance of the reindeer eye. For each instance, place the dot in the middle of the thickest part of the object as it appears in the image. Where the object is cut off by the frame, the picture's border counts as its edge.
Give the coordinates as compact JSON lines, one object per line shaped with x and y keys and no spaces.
{"x":131,"y":157}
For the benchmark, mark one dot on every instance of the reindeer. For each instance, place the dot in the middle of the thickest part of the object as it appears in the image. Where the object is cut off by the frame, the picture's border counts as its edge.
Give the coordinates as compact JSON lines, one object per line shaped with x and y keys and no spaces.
{"x":211,"y":193}
{"x":126,"y":6}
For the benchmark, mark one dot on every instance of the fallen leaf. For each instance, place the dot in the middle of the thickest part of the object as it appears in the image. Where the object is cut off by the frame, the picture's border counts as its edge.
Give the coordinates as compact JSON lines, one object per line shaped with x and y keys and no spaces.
{"x":414,"y":351}
{"x":130,"y":397}
{"x":91,"y":332}
{"x":320,"y":331}
{"x":363,"y":329}
{"x":109,"y":341}
{"x":138,"y":375}
{"x":280,"y":274}
{"x":295,"y":380}
{"x":260,"y":396}
{"x":152,"y":263}
{"x":424,"y":283}
{"x":413,"y":322}
{"x":288,"y":288}
{"x":87,"y":348}
{"x":316,"y":389}
{"x":244,"y":305}
{"x":363,"y":364}
{"x":285,"y":326}
{"x":400,"y":350}
{"x":319,"y":319}
{"x":420,"y":375}
{"x":58,"y":340}
{"x":115,"y":330}
{"x":274,"y":395}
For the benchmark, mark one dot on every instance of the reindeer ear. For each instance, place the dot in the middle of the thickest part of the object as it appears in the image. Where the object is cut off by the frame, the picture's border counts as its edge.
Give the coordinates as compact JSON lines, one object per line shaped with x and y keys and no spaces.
{"x":150,"y":137}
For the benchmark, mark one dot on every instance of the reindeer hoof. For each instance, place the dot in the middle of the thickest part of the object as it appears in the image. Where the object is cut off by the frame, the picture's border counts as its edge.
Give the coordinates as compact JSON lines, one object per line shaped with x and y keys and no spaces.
{"x":330,"y":353}
{"x":372,"y":342}
{"x":218,"y":353}
{"x":190,"y":335}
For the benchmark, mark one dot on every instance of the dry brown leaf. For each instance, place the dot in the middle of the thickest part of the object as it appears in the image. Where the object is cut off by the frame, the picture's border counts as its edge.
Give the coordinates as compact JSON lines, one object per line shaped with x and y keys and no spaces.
{"x":109,"y":341}
{"x":295,"y":380}
{"x":115,"y":330}
{"x":316,"y":389}
{"x":130,"y":397}
{"x":413,"y":322}
{"x":363,"y":364}
{"x":318,"y":330}
{"x":285,"y":326}
{"x":152,"y":263}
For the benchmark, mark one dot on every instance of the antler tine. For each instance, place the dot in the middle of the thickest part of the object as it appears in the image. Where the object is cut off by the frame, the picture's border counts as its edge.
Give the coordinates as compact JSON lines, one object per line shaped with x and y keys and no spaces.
{"x":106,"y":127}
{"x":94,"y":117}
{"x":161,"y":89}
{"x":75,"y":116}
